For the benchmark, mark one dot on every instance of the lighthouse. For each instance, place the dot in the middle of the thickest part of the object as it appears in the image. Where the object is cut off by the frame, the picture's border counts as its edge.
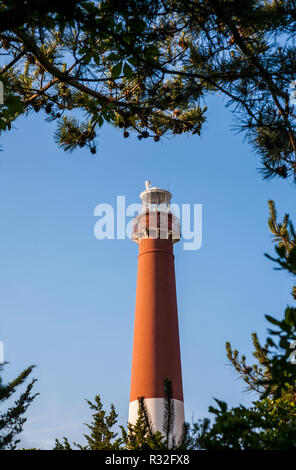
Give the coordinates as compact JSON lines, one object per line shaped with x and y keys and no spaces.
{"x":156,"y":346}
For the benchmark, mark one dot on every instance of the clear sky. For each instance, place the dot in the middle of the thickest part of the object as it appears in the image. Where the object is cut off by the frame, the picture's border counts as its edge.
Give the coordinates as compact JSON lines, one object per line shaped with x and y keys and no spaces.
{"x":67,"y":299}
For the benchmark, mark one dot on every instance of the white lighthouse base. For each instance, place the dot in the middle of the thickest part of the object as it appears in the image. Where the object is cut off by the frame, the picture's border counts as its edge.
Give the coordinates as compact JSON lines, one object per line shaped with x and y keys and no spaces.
{"x":155,"y":408}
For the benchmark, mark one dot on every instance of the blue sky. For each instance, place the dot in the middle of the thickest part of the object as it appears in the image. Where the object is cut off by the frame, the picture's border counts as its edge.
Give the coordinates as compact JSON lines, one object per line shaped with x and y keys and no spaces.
{"x":67,"y":299}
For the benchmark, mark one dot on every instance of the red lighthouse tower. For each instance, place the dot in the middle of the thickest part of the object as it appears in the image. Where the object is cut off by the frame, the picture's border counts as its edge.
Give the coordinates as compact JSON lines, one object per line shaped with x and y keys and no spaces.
{"x":156,"y":348}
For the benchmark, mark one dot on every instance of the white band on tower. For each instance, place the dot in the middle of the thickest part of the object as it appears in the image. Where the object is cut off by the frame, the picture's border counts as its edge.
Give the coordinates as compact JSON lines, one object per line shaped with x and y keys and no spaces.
{"x":156,"y":408}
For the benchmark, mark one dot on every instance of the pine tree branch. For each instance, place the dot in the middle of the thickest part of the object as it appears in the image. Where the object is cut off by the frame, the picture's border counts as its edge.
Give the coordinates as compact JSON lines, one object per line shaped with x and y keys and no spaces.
{"x":14,"y":61}
{"x":62,"y":76}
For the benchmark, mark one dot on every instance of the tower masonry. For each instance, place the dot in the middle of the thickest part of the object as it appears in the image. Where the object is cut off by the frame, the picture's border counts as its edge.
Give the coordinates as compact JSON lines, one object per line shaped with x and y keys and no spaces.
{"x":156,"y":346}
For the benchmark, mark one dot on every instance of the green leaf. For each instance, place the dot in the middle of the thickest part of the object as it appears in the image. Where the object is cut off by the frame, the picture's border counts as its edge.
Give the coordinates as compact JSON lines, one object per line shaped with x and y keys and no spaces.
{"x":97,"y":59}
{"x":113,"y":57}
{"x":83,"y":50}
{"x":284,"y":344}
{"x":272,"y":320}
{"x":116,"y":70}
{"x":270,"y":342}
{"x":87,"y":58}
{"x":292,"y":256}
{"x":133,"y":61}
{"x":151,"y":51}
{"x":222,"y":404}
{"x":127,"y":70}
{"x":290,"y":315}
{"x":90,"y":7}
{"x":281,"y":250}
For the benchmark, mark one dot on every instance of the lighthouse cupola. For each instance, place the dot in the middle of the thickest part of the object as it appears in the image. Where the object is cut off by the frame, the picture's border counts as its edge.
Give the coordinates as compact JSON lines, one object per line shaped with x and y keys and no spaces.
{"x":156,"y":219}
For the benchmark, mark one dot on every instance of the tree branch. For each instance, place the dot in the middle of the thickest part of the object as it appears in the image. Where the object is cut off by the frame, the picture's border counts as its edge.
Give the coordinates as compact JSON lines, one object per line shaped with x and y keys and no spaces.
{"x":63,"y":76}
{"x":14,"y":61}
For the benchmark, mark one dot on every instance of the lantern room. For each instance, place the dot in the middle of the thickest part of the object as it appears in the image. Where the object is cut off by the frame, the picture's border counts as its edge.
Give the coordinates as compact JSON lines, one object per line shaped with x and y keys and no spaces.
{"x":156,"y":219}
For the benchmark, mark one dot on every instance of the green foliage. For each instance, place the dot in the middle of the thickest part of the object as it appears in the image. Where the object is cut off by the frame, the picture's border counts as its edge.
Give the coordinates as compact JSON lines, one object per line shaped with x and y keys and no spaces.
{"x":255,"y":374}
{"x":12,"y":419}
{"x":140,"y":436}
{"x":282,"y":372}
{"x":11,"y":108}
{"x":17,"y":13}
{"x":147,"y":66}
{"x":100,"y":62}
{"x":70,"y":134}
{"x":101,"y":435}
{"x":267,"y":425}
{"x":169,"y":412}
